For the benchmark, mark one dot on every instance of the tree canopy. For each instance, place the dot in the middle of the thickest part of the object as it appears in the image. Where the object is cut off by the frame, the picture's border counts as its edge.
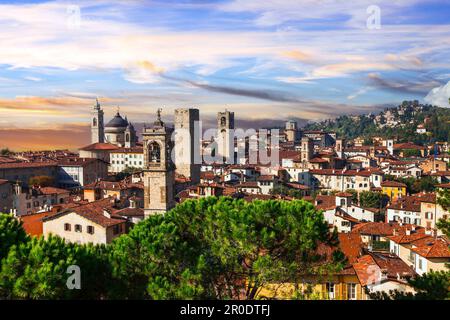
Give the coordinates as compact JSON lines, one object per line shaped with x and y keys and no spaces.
{"x":222,"y":248}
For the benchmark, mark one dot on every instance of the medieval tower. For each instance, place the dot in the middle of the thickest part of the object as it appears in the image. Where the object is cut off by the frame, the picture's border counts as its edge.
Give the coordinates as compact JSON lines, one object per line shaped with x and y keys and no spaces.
{"x":187,"y":145}
{"x":159,"y":178}
{"x":225,"y":128}
{"x":97,"y":127}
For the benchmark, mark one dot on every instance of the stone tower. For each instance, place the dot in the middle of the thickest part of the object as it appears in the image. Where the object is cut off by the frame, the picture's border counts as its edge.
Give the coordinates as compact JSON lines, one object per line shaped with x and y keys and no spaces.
{"x":159,"y":177}
{"x":97,"y":127}
{"x":130,"y":136}
{"x":291,"y":131}
{"x":187,"y":145}
{"x":225,"y":128}
{"x":307,"y":149}
{"x":339,"y":148}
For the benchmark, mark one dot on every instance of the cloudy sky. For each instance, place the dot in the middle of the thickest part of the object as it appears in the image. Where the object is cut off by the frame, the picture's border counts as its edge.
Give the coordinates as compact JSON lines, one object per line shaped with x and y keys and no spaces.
{"x":265,"y":60}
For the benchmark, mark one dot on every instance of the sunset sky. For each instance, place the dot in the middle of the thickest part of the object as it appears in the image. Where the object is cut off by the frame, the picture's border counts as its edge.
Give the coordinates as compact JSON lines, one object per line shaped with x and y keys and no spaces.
{"x":262,"y":59}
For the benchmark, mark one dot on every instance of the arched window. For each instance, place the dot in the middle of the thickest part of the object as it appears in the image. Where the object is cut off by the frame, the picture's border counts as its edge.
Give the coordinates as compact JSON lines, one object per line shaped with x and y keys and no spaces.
{"x":94,"y":122}
{"x":223,"y":121}
{"x":154,"y":152}
{"x":127,"y":137}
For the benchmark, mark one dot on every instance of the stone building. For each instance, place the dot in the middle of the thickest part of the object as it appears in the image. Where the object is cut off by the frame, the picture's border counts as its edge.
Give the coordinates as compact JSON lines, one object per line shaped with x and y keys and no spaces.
{"x":225,"y":128}
{"x":187,"y":145}
{"x":159,"y":170}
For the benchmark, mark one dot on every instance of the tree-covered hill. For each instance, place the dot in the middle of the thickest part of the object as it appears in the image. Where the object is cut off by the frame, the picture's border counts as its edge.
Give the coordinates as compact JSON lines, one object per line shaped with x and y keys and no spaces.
{"x":399,"y":122}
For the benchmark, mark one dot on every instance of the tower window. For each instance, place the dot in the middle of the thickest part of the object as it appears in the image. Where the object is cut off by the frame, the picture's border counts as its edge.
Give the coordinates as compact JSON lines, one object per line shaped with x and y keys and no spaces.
{"x":154,"y":152}
{"x":223,"y":121}
{"x":127,"y":137}
{"x":94,"y":122}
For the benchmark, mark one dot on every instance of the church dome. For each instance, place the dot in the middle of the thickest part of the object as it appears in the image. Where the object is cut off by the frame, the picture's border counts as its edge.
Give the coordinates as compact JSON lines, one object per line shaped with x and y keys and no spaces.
{"x":117,"y":122}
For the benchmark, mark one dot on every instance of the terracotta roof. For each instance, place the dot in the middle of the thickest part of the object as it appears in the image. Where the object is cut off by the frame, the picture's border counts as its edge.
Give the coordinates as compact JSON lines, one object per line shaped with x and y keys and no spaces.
{"x":350,"y":244}
{"x":129,"y":150}
{"x":52,"y":190}
{"x":344,"y":194}
{"x":267,"y":177}
{"x":394,"y":184}
{"x":318,"y":160}
{"x":324,"y":202}
{"x":408,"y":145}
{"x":76,"y":161}
{"x":130,"y":212}
{"x":93,"y":211}
{"x":373,"y":267}
{"x":408,"y":238}
{"x":437,"y":248}
{"x":100,"y":146}
{"x":16,"y":165}
{"x":295,"y":185}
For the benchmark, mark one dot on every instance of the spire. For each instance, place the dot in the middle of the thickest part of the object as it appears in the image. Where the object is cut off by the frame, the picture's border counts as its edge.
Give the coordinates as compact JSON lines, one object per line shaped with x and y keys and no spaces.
{"x":158,"y":122}
{"x":97,"y":104}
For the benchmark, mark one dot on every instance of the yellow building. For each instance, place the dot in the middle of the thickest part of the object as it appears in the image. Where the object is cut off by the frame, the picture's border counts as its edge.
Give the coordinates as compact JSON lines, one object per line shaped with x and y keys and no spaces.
{"x":393,"y":189}
{"x":344,"y":285}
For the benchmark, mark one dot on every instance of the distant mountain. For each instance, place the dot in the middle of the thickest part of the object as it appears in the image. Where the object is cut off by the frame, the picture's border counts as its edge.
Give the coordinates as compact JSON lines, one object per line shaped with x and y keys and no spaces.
{"x":399,"y":122}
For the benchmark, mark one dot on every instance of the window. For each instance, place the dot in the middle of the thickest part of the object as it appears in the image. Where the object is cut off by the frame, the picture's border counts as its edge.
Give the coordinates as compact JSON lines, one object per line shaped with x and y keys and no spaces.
{"x":90,"y":229}
{"x":154,"y":152}
{"x":67,"y":227}
{"x":117,"y":229}
{"x":420,"y":264}
{"x":78,"y":228}
{"x":351,"y":291}
{"x":330,"y":290}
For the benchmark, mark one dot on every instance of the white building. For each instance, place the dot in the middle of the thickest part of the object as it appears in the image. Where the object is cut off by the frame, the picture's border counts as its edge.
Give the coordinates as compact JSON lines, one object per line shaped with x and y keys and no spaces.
{"x":123,"y":158}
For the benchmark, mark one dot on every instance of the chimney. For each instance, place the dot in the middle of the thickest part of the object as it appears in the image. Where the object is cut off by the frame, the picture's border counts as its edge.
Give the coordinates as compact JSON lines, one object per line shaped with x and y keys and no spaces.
{"x":408,"y":232}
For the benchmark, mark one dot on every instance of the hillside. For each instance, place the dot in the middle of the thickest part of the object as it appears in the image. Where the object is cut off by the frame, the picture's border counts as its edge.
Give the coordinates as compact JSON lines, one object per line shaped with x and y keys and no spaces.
{"x":398,"y":122}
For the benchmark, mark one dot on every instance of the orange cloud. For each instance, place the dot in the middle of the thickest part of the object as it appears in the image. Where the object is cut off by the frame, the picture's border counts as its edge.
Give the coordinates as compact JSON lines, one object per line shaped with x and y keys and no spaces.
{"x":71,"y":136}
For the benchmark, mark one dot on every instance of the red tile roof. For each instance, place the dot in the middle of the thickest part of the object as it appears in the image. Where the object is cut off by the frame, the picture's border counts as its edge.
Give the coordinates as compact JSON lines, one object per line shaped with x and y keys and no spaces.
{"x":394,"y":184}
{"x":100,"y":146}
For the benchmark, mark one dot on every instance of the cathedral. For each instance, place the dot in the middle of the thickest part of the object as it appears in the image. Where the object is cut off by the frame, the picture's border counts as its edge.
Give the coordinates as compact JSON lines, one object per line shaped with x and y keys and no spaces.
{"x":118,"y":131}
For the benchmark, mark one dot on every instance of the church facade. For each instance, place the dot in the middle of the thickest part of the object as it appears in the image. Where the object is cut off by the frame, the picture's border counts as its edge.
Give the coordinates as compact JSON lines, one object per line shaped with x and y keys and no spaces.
{"x":118,"y":131}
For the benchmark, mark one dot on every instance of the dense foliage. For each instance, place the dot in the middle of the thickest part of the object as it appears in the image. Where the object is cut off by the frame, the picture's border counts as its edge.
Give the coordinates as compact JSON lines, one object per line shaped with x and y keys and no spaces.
{"x":222,"y":248}
{"x":215,"y":248}
{"x":350,"y":127}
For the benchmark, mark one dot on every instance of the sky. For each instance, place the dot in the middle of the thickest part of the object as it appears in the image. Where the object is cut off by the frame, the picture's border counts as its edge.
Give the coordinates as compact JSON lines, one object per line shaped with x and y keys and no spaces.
{"x":264,"y":60}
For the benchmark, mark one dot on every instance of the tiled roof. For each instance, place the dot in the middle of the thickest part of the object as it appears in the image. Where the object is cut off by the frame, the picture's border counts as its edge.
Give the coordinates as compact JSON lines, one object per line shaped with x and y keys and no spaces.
{"x":76,"y":161}
{"x":129,"y":150}
{"x":408,"y":238}
{"x":394,"y":184}
{"x":17,"y":165}
{"x":100,"y":146}
{"x":93,"y":211}
{"x":350,"y":244}
{"x":437,"y":248}
{"x":52,"y":190}
{"x":130,"y":212}
{"x":325,"y":202}
{"x":372,"y":267}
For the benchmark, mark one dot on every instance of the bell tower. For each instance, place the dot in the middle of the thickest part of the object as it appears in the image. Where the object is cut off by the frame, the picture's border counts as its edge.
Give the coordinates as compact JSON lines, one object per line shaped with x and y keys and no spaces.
{"x":159,"y":177}
{"x":97,"y":126}
{"x":225,"y":128}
